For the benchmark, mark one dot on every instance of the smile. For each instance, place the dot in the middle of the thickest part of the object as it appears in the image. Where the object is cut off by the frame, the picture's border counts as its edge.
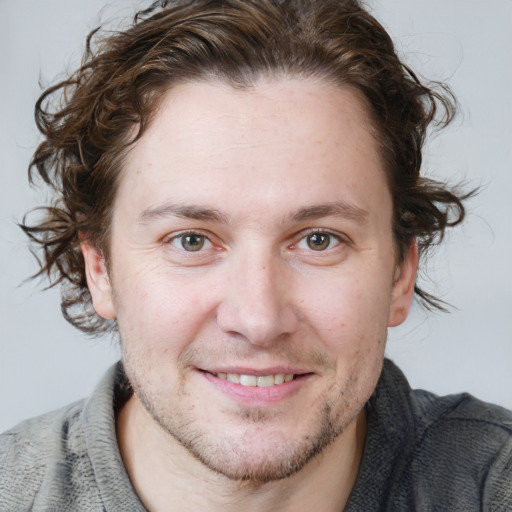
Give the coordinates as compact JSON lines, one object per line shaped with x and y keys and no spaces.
{"x":261,"y":381}
{"x":259,"y":388}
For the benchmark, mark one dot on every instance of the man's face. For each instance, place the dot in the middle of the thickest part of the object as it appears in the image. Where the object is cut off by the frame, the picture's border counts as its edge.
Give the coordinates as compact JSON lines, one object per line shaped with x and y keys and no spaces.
{"x":252,"y":242}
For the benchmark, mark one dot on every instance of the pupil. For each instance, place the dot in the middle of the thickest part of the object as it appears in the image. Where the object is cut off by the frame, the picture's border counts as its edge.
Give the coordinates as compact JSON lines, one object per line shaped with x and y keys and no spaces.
{"x":318,"y":241}
{"x":193,"y":242}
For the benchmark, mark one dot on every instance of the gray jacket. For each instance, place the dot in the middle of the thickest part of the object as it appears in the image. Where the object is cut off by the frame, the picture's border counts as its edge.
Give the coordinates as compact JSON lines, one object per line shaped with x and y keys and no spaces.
{"x":422,"y":453}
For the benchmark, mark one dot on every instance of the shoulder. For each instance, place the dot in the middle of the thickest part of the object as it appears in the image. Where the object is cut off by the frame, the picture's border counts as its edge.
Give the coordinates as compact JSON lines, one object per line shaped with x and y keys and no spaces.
{"x":467,"y":443}
{"x":459,"y":417}
{"x":463,"y":412}
{"x":461,"y":423}
{"x":429,"y":452}
{"x":38,"y":453}
{"x":66,"y":459}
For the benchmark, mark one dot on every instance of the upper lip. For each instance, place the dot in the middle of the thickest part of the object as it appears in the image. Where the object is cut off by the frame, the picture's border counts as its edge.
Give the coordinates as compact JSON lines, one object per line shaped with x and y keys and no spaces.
{"x":274,"y":370}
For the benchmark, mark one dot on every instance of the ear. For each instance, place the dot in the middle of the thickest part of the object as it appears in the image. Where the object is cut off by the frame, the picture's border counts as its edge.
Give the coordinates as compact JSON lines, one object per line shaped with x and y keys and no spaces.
{"x":98,"y":281}
{"x":403,"y":286}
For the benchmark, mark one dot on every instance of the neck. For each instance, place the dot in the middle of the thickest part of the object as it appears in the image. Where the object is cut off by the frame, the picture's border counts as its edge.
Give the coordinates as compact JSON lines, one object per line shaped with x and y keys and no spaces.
{"x":167,"y":477}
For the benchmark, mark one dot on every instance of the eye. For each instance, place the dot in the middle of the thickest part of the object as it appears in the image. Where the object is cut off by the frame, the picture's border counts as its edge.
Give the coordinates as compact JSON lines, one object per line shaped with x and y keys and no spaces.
{"x":191,"y":242}
{"x":319,"y":241}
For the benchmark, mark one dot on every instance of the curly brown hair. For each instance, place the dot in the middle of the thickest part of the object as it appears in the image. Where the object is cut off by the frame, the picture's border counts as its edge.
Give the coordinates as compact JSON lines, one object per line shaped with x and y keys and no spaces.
{"x":90,"y":120}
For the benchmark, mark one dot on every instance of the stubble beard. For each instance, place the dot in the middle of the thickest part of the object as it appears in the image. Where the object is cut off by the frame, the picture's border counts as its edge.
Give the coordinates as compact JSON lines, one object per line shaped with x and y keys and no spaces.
{"x":280,"y":457}
{"x":229,"y":457}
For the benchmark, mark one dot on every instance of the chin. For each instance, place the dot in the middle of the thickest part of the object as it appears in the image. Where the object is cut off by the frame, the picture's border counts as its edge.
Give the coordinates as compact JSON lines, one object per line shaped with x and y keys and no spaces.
{"x":257,"y":452}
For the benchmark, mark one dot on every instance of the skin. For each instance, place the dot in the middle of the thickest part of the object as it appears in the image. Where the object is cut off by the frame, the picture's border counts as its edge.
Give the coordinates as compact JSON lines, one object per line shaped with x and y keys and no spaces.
{"x":258,"y":177}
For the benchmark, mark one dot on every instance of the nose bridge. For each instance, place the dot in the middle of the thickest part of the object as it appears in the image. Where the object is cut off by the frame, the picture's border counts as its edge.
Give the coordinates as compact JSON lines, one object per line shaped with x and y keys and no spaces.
{"x":257,"y":302}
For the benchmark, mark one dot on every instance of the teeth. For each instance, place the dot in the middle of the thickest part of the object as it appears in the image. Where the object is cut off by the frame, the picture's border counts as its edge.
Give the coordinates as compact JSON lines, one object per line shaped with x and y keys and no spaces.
{"x":279,"y":378}
{"x":248,"y":380}
{"x":266,"y":381}
{"x":263,"y":381}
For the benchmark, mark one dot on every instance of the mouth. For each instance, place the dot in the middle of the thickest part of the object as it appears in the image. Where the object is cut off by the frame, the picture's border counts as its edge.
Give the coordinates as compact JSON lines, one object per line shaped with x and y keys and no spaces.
{"x":257,"y":388}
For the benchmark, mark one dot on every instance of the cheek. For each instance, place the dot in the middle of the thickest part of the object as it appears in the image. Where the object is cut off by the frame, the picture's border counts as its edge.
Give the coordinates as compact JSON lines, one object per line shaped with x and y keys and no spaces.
{"x":158,"y":310}
{"x":348,"y":313}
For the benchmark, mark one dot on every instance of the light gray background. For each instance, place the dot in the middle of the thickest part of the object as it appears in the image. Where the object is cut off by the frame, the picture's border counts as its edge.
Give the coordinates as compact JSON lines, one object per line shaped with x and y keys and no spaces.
{"x":44,"y":363}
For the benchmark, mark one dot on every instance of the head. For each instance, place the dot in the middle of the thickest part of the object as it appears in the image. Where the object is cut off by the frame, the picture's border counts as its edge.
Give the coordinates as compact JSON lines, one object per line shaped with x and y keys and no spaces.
{"x":310,"y":76}
{"x":112,"y":98}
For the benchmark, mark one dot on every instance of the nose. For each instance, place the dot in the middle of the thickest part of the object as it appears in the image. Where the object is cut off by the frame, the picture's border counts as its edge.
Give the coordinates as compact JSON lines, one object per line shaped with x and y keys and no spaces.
{"x":258,"y":302}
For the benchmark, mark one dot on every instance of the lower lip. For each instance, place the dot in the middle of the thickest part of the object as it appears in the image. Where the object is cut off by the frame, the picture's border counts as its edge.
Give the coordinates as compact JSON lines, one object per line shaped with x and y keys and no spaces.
{"x":258,"y":396}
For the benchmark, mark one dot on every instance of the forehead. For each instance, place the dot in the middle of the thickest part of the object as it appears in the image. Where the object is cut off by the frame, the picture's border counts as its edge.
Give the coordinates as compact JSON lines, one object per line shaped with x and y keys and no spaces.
{"x":280,"y":144}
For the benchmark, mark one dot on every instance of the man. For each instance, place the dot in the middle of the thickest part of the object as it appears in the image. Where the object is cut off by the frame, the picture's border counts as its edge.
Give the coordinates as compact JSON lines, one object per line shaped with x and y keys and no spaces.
{"x":239,"y":195}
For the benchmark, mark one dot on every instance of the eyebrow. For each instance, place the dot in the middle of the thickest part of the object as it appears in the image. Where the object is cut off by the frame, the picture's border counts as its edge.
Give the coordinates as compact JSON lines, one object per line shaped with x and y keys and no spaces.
{"x":195,"y":212}
{"x":338,"y":209}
